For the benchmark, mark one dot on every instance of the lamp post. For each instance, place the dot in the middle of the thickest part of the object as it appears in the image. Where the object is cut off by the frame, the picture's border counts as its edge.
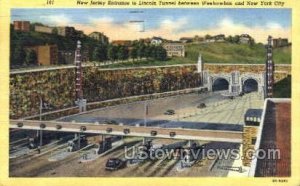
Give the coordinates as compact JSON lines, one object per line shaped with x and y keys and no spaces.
{"x":41,"y":132}
{"x":146,"y":113}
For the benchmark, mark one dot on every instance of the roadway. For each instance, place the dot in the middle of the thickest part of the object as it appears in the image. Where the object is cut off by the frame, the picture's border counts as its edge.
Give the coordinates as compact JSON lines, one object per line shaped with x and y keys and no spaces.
{"x":187,"y":116}
{"x":219,"y":110}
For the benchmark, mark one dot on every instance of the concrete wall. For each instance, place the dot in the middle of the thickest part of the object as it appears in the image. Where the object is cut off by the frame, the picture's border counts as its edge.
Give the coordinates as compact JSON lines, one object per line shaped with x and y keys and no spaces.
{"x":281,"y":71}
{"x":56,"y":86}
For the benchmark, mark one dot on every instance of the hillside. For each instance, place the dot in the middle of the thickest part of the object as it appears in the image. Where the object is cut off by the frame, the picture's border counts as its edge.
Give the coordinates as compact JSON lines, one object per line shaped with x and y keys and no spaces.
{"x":236,"y":53}
{"x":20,"y":40}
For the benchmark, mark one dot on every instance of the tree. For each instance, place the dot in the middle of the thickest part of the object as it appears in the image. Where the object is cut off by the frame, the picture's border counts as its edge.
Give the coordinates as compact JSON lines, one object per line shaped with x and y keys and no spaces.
{"x":236,"y":39}
{"x":122,"y":53}
{"x":251,"y":42}
{"x":19,"y":55}
{"x":161,"y":53}
{"x":31,"y":58}
{"x":147,"y":52}
{"x":112,"y":52}
{"x":141,"y":50}
{"x":153,"y":52}
{"x":133,"y":53}
{"x":55,"y":31}
{"x":229,"y":39}
{"x":207,"y":36}
{"x":99,"y":53}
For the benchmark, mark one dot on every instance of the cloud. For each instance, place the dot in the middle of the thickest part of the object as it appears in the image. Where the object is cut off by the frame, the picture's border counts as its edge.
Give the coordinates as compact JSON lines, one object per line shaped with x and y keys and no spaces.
{"x":173,"y":25}
{"x":273,"y":25}
{"x":101,"y":20}
{"x":57,"y":20}
{"x":176,"y":28}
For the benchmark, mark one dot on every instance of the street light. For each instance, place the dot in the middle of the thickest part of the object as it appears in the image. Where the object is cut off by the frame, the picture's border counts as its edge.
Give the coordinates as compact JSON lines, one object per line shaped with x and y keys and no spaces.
{"x":146,"y":113}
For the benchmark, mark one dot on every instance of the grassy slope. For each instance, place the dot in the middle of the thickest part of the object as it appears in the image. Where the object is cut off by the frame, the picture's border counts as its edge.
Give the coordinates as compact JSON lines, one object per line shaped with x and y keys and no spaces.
{"x":219,"y":53}
{"x":236,"y":53}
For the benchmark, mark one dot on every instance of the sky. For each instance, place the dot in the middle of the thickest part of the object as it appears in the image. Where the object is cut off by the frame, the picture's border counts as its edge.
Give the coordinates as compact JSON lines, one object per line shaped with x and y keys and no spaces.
{"x":167,"y":23}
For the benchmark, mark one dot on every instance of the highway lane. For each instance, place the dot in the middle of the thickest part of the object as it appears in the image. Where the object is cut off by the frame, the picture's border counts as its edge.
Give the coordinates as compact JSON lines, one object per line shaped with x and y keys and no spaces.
{"x":221,"y":113}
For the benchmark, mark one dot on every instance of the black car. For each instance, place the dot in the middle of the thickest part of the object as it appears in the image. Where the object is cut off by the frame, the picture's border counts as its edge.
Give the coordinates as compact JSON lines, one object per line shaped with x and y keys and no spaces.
{"x":115,"y":164}
{"x":201,"y":105}
{"x":111,"y":122}
{"x":170,"y":112}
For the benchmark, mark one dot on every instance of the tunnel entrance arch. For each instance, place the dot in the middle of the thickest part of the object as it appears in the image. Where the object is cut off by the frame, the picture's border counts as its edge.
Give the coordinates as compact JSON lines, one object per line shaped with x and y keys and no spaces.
{"x":250,"y":85}
{"x":220,"y":84}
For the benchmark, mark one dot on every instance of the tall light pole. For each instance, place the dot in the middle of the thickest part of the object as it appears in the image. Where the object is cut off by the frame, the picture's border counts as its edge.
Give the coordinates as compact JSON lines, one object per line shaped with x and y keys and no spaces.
{"x":269,"y":69}
{"x":146,"y":109}
{"x":78,"y":82}
{"x":41,"y":110}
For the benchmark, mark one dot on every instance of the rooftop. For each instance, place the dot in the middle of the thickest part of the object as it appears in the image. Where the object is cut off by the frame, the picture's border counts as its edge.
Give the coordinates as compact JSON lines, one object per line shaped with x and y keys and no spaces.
{"x":275,"y":134}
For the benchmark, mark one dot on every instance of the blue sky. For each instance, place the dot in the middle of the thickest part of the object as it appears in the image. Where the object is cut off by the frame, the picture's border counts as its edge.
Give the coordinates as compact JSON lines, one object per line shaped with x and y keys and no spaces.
{"x":171,"y":22}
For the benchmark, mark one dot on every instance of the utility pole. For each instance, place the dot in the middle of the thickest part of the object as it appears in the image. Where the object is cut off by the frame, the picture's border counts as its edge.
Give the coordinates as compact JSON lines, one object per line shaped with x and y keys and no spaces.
{"x":269,"y":69}
{"x":41,"y":131}
{"x":78,"y":82}
{"x":146,"y":109}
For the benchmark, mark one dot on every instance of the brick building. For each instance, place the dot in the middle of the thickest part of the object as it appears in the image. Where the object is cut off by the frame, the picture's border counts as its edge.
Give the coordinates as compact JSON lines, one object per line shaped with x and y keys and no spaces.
{"x":280,"y":42}
{"x":46,"y":54}
{"x":66,"y":31}
{"x":174,"y":49}
{"x":69,"y":32}
{"x":22,"y":26}
{"x":100,"y":37}
{"x":44,"y":29}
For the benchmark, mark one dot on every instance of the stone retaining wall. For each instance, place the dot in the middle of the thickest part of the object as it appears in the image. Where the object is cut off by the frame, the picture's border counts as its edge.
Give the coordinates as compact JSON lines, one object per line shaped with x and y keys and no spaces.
{"x":57,"y":86}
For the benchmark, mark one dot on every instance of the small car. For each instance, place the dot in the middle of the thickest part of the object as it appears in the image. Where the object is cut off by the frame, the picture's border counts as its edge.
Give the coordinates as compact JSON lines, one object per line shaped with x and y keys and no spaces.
{"x":112,"y":122}
{"x":170,"y":112}
{"x":114,"y":164}
{"x":201,"y":105}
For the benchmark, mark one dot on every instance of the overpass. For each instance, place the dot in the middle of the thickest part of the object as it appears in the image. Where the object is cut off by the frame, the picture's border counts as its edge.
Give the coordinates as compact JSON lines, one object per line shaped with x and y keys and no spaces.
{"x":125,"y":130}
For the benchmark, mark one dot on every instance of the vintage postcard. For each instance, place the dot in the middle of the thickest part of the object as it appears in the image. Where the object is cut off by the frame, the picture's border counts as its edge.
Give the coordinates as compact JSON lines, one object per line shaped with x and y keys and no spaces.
{"x":108,"y":92}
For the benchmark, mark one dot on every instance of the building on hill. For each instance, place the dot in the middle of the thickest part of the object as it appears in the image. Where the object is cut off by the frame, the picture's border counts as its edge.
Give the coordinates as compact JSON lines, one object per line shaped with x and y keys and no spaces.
{"x":67,"y":31}
{"x":245,"y":39}
{"x":22,"y":26}
{"x":174,"y":49}
{"x":43,"y":29}
{"x":156,"y":40}
{"x":216,"y":38}
{"x":121,"y":42}
{"x":100,"y":37}
{"x":198,"y":39}
{"x":46,"y":54}
{"x":146,"y":41}
{"x":219,"y":38}
{"x":280,"y":42}
{"x":186,"y":39}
